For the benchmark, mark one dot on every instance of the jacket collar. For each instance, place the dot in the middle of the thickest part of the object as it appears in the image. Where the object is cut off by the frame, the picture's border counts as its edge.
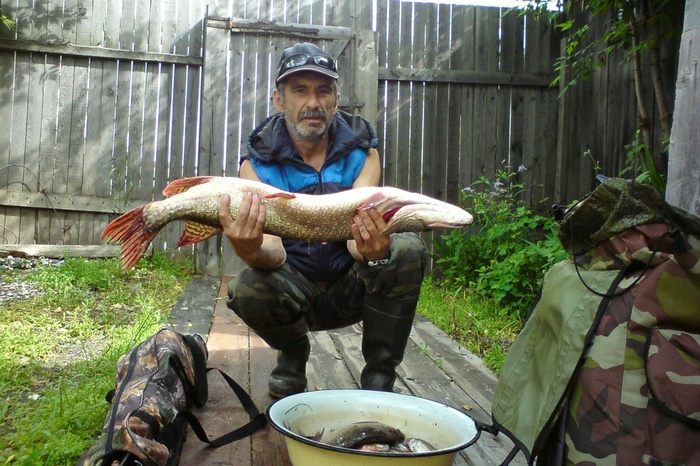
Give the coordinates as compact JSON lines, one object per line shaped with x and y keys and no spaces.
{"x":270,"y":141}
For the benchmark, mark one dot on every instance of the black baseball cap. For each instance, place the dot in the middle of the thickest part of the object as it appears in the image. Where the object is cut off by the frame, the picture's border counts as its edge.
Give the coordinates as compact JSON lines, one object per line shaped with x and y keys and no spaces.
{"x":306,"y":57}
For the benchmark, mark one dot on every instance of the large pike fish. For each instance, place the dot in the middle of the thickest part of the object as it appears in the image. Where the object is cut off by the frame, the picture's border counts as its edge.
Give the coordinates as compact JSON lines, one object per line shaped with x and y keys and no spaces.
{"x":325,"y":217}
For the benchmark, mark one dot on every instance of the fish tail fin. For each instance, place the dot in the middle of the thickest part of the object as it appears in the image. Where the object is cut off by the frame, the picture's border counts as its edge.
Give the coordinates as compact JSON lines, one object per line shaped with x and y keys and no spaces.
{"x":130,"y":231}
{"x":196,"y":232}
{"x":183,"y":184}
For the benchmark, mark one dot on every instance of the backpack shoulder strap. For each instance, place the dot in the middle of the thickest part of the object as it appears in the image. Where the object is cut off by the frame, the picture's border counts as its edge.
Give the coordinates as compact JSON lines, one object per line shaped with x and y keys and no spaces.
{"x":257,"y":420}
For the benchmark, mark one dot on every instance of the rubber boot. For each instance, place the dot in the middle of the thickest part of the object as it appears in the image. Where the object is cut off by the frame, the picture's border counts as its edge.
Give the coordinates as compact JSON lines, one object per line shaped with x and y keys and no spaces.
{"x":292,"y":343}
{"x":386,"y":327}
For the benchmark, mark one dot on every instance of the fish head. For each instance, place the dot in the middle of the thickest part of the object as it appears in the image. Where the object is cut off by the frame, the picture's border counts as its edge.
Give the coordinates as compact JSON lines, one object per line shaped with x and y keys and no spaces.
{"x":423,"y":216}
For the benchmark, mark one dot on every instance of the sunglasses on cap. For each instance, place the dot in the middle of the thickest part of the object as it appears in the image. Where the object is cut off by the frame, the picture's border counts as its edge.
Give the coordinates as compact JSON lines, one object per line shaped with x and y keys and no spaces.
{"x":302,"y":59}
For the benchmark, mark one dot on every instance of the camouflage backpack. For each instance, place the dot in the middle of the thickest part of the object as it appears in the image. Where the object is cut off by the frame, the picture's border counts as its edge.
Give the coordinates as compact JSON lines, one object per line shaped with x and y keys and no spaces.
{"x":606,"y":370}
{"x":158,"y":384}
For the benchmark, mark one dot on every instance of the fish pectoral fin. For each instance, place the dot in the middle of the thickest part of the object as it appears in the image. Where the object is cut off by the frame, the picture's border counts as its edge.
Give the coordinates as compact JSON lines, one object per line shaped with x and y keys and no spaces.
{"x":373,"y":201}
{"x":280,"y":194}
{"x":183,"y":184}
{"x":196,"y":232}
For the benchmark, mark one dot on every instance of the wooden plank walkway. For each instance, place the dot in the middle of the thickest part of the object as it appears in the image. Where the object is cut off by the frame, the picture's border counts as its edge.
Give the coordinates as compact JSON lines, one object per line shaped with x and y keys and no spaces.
{"x":434,"y":367}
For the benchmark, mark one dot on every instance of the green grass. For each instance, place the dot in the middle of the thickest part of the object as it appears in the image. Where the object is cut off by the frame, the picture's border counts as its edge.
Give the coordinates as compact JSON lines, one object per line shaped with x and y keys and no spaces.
{"x":471,"y":320}
{"x":60,"y":348}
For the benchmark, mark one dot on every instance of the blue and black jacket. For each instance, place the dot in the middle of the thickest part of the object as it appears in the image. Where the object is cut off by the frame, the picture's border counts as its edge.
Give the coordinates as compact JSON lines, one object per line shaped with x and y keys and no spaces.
{"x":277,"y":163}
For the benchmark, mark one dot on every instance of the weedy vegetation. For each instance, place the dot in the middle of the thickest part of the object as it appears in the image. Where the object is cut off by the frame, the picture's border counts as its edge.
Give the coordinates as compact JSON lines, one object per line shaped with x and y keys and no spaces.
{"x":488,"y":275}
{"x":60,"y":348}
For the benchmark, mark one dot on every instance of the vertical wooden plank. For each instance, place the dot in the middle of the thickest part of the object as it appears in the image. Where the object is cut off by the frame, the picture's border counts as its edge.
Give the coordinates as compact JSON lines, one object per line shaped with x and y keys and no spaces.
{"x":683,"y":170}
{"x":430,"y":95}
{"x":176,"y":38}
{"x":47,"y":132}
{"x":106,"y":133}
{"x":7,"y":71}
{"x":342,"y":13}
{"x":541,"y":153}
{"x":564,"y":136}
{"x":164,"y":139}
{"x":468,"y":119}
{"x":72,"y":111}
{"x":452,"y":184}
{"x":486,"y":59}
{"x":95,"y":157}
{"x":59,"y":229}
{"x":364,"y":14}
{"x":457,"y":94}
{"x":195,"y":75}
{"x":129,"y":130}
{"x":365,"y":74}
{"x":81,"y":231}
{"x":546,"y":147}
{"x":317,"y":15}
{"x":305,"y":9}
{"x":27,"y":142}
{"x":511,"y":98}
{"x":417,"y":148}
{"x":140,"y":128}
{"x":391,"y":136}
{"x":614,"y":153}
{"x":382,"y":31}
{"x":213,"y":131}
{"x":278,"y":10}
{"x":122,"y":184}
{"x":439,"y":157}
{"x":382,"y":86}
{"x":21,"y":171}
{"x":236,"y":138}
{"x":261,"y":86}
{"x":98,"y":138}
{"x":406,"y":155}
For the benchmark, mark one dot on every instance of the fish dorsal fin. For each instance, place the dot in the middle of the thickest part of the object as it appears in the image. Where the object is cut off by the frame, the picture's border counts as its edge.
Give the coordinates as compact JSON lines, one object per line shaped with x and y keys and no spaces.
{"x":183,"y":184}
{"x":196,"y":232}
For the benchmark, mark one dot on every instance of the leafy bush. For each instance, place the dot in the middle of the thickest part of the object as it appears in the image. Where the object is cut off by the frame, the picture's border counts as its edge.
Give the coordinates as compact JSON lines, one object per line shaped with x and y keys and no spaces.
{"x":505,"y":253}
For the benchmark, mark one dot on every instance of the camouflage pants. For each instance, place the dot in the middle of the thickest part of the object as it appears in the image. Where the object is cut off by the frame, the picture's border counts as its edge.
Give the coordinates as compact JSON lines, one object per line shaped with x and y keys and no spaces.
{"x":267,"y":300}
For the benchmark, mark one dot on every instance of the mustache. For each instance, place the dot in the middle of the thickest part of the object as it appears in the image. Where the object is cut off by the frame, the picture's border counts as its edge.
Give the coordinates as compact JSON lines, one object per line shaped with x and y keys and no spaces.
{"x":312,"y":114}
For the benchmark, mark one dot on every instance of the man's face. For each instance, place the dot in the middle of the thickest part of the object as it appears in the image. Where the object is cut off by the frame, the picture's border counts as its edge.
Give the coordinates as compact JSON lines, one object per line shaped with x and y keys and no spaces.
{"x":309,"y":102}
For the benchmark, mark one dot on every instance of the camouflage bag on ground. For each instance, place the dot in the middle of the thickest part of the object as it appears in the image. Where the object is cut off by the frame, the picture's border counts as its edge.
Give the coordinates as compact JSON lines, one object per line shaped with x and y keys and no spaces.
{"x":158,"y":383}
{"x":606,"y":370}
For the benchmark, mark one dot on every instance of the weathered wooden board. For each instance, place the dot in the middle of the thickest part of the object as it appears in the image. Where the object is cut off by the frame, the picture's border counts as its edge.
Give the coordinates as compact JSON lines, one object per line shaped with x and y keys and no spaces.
{"x":228,"y":345}
{"x":194,"y":311}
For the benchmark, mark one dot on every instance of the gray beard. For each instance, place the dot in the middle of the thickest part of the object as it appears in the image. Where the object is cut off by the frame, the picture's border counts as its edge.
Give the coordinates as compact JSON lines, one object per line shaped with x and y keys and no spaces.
{"x":303,"y":133}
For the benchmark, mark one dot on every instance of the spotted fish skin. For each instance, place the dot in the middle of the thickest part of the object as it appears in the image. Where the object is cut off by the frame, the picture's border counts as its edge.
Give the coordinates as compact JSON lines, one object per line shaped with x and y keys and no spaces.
{"x":326,"y":217}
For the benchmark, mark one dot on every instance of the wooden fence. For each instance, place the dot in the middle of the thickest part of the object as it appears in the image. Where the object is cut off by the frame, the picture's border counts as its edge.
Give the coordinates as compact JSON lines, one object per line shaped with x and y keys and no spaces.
{"x":100,"y":105}
{"x":107,"y":102}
